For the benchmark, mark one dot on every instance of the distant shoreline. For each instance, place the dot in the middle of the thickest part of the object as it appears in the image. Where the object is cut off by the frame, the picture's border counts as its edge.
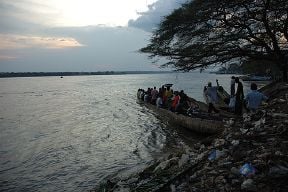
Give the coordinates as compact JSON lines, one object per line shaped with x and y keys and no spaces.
{"x":62,"y":74}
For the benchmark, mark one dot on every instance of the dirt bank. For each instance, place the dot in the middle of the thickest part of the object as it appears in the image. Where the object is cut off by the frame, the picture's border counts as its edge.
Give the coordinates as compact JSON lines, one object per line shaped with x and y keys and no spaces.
{"x":251,"y":154}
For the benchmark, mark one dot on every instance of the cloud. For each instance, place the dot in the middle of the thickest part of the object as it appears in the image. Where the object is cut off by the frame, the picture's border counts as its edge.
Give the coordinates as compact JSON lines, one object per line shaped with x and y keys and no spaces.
{"x":106,"y":48}
{"x":150,"y":19}
{"x":9,"y":41}
{"x":29,"y":43}
{"x":7,"y":57}
{"x":21,"y":16}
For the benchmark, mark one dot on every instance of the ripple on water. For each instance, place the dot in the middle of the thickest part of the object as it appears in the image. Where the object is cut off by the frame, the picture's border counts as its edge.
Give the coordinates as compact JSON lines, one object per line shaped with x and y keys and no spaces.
{"x":70,"y":134}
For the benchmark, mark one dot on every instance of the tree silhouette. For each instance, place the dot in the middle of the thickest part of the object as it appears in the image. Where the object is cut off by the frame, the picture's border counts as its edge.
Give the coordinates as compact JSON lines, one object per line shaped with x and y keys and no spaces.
{"x":215,"y":32}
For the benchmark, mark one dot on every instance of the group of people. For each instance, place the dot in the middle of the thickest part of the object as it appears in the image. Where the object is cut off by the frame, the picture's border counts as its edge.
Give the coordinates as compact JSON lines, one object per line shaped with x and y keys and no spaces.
{"x":237,"y":100}
{"x":178,"y":101}
{"x":165,"y":97}
{"x":250,"y":102}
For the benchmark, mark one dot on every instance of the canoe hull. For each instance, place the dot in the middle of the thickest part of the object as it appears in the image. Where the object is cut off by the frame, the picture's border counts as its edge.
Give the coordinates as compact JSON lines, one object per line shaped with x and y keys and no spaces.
{"x":199,"y":125}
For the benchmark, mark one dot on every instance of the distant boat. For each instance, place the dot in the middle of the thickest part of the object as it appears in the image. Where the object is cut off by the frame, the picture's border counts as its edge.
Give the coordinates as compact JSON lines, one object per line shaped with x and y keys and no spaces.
{"x":255,"y":78}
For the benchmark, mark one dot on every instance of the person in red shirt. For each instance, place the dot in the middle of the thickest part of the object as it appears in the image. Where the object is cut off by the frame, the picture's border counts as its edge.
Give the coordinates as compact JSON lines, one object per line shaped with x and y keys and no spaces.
{"x":176,"y":101}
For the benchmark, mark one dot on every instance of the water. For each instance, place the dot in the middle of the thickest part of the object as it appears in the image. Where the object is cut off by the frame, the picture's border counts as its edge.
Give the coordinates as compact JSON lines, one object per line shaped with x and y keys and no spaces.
{"x":68,"y":134}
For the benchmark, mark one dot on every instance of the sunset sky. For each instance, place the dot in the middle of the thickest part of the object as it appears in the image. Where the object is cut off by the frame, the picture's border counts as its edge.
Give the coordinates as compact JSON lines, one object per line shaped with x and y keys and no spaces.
{"x":78,"y":35}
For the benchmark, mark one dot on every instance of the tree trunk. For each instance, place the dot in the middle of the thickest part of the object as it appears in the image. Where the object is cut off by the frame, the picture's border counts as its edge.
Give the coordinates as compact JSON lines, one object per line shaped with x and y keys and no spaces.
{"x":284,"y":71}
{"x":285,"y":64}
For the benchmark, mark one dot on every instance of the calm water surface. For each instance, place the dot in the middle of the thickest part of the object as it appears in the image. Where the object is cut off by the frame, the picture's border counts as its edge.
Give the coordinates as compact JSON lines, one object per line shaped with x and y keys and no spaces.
{"x":69,"y":134}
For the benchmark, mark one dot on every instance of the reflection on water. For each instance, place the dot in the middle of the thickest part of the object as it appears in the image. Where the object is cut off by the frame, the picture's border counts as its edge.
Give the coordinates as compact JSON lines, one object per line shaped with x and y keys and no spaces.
{"x":68,"y":134}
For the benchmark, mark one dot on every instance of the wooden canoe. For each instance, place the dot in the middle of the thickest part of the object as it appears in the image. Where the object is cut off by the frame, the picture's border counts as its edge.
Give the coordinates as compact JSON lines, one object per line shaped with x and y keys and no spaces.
{"x":195,"y":124}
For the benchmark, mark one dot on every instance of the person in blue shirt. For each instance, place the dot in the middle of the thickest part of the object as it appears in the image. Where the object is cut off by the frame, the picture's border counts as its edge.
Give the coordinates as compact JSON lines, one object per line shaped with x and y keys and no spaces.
{"x":254,"y":98}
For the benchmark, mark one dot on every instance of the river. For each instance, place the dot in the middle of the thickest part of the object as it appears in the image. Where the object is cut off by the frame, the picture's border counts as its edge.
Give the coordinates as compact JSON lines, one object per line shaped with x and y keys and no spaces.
{"x":69,"y":134}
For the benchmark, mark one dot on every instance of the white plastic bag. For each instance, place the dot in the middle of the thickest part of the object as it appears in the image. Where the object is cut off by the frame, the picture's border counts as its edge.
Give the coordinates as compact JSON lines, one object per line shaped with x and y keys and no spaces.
{"x":232,"y":102}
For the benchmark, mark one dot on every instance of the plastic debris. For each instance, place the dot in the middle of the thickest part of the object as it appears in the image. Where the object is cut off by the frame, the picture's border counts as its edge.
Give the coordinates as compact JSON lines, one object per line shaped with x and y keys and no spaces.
{"x":247,"y":170}
{"x":215,"y":154}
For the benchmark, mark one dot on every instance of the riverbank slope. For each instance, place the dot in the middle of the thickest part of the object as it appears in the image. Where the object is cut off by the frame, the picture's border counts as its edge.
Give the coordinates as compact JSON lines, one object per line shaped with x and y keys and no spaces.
{"x":251,"y":154}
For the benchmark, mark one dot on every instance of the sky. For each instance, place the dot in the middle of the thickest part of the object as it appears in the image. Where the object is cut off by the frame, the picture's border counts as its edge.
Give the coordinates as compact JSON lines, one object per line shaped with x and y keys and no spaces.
{"x":78,"y":35}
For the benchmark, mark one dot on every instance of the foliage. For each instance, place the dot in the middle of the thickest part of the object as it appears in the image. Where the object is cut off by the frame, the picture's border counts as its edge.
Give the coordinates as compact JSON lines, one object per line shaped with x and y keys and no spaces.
{"x":261,"y":67}
{"x":215,"y":32}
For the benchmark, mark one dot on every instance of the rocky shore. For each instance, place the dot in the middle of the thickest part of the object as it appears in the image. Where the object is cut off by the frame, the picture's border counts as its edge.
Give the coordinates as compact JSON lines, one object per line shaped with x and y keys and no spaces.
{"x":251,"y":154}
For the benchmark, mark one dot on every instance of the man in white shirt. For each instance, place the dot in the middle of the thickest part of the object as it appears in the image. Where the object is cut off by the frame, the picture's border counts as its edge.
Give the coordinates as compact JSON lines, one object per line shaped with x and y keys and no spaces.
{"x":254,"y":98}
{"x":211,"y":93}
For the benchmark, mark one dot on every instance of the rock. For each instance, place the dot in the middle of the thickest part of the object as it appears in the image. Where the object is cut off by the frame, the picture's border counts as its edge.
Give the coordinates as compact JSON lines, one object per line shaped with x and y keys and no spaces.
{"x":248,"y":185}
{"x":281,"y":101}
{"x":165,"y":164}
{"x":260,"y":122}
{"x":238,"y":154}
{"x":123,"y":189}
{"x":278,"y":171}
{"x":282,"y":115}
{"x":181,"y":187}
{"x":278,"y":153}
{"x":246,"y":117}
{"x":173,"y":188}
{"x":202,"y":147}
{"x":244,"y":131}
{"x":231,"y":121}
{"x":132,"y":180}
{"x":263,"y":155}
{"x":235,"y":142}
{"x":213,"y":172}
{"x":235,"y":181}
{"x":216,"y":154}
{"x":219,"y":142}
{"x":220,"y":180}
{"x":183,"y":160}
{"x":200,"y":156}
{"x":235,"y":171}
{"x":197,"y":146}
{"x":192,"y":177}
{"x":224,"y":163}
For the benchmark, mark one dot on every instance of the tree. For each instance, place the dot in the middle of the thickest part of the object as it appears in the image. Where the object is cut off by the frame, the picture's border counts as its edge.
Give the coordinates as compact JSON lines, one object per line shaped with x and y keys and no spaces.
{"x":204,"y":33}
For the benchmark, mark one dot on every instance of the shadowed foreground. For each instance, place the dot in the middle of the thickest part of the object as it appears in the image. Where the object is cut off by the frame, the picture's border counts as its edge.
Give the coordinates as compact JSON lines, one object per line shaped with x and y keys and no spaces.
{"x":249,"y":155}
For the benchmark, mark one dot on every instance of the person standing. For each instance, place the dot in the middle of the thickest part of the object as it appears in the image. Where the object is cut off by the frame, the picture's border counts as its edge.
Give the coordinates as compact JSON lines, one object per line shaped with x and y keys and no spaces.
{"x":167,"y":97}
{"x":211,"y":94}
{"x":154,"y":94}
{"x":232,"y":86}
{"x":232,"y":99}
{"x":254,"y":98}
{"x":239,"y":97}
{"x":159,"y":101}
{"x":175,"y":101}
